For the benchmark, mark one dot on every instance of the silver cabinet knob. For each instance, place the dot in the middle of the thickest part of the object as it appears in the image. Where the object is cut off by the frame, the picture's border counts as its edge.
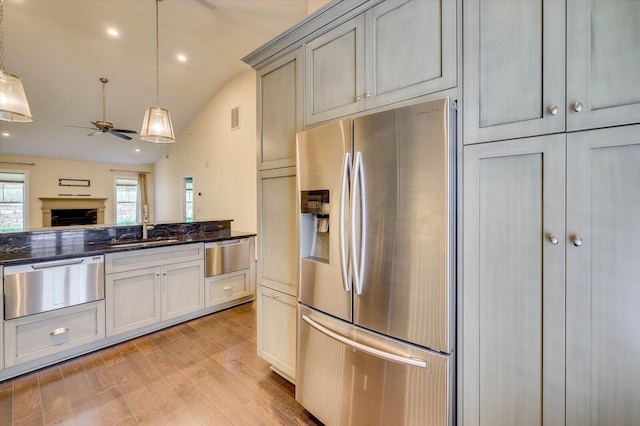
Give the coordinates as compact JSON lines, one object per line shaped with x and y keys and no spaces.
{"x":553,"y":239}
{"x":275,"y":296}
{"x":553,"y":110}
{"x":577,"y":107}
{"x":358,"y":98}
{"x":576,"y":240}
{"x":367,"y":94}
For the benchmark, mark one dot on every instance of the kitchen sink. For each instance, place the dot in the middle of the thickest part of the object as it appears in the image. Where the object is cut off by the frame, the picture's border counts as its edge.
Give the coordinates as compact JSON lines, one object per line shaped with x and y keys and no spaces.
{"x":143,"y":243}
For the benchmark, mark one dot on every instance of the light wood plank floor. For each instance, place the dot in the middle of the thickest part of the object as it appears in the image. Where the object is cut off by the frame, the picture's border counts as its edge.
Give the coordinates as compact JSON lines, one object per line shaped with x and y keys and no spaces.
{"x":202,"y":372}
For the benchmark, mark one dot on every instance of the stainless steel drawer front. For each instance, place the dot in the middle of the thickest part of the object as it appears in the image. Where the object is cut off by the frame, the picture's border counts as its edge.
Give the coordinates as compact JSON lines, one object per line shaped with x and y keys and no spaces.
{"x":45,"y":286}
{"x":226,"y":256}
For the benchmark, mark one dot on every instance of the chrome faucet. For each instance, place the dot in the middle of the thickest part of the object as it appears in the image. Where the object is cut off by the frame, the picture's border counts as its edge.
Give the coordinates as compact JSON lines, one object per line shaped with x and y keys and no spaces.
{"x":145,"y":222}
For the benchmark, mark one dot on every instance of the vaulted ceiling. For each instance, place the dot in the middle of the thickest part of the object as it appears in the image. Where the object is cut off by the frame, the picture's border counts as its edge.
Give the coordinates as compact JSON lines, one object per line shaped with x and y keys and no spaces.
{"x":61,"y":48}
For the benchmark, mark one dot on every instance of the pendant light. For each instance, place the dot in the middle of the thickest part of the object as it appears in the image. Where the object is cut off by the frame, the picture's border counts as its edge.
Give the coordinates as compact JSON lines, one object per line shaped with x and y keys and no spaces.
{"x":157,"y":126}
{"x":13,"y":101}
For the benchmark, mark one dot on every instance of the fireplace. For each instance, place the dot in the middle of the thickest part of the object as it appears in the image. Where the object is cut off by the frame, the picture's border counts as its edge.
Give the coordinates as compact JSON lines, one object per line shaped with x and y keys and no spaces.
{"x":72,"y":211}
{"x":68,"y":217}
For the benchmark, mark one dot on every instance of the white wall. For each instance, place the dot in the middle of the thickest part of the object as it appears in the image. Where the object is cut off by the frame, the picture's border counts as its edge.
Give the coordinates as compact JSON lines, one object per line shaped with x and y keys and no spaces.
{"x":43,"y":182}
{"x":221,"y":161}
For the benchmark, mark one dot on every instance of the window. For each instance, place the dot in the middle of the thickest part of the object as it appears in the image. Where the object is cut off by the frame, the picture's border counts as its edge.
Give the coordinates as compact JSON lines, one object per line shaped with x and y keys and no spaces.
{"x":188,"y":199}
{"x":126,"y":201}
{"x":12,"y":201}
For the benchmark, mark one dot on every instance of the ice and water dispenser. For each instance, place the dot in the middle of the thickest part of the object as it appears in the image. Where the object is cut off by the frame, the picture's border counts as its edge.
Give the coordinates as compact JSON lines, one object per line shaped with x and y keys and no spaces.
{"x":314,"y":225}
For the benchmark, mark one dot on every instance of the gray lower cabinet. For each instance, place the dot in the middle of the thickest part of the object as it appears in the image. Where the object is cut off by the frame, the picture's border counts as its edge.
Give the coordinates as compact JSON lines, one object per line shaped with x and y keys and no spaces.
{"x":603,"y":277}
{"x":395,"y":51}
{"x":36,"y":336}
{"x":279,"y":86}
{"x":277,"y":316}
{"x":152,"y":285}
{"x":550,"y":278}
{"x":513,"y":280}
{"x":277,"y":269}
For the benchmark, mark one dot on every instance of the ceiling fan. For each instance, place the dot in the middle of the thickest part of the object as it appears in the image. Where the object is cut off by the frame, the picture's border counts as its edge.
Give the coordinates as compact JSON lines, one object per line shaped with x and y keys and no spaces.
{"x":104,"y":126}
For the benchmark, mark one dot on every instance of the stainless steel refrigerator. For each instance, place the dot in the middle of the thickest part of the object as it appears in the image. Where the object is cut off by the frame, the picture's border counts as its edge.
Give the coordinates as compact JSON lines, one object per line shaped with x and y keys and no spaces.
{"x":376,"y":290}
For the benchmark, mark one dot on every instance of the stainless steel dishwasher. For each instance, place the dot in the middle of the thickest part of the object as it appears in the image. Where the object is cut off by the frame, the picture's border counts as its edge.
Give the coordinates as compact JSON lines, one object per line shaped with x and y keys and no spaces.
{"x":226,"y":256}
{"x":45,"y":286}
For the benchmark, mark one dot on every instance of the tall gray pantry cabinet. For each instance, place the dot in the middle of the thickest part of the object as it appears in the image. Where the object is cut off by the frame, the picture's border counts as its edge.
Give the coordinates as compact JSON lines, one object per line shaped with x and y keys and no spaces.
{"x":279,"y":118}
{"x":551,"y":231}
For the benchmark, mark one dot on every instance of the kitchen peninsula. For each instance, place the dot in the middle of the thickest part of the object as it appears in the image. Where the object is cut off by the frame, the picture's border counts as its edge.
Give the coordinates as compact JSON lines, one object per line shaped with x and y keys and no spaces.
{"x":71,"y":291}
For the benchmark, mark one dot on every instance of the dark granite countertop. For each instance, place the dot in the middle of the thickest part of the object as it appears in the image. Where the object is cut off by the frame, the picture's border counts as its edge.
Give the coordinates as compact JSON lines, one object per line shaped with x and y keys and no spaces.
{"x":44,"y":246}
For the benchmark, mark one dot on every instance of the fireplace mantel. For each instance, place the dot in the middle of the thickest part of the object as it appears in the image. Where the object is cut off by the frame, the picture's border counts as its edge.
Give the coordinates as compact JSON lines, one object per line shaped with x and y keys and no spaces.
{"x":65,"y":203}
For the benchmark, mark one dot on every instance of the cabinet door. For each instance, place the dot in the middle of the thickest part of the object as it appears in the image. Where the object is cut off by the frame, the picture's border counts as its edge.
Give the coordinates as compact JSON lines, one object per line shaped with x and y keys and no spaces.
{"x":277,"y":330}
{"x":277,"y":247}
{"x":334,"y":84}
{"x":410,"y":50}
{"x":513,"y":301}
{"x":514,"y":69}
{"x":603,"y":63}
{"x":132,"y":299}
{"x":279,"y":111}
{"x":603,"y":291}
{"x":182,"y":289}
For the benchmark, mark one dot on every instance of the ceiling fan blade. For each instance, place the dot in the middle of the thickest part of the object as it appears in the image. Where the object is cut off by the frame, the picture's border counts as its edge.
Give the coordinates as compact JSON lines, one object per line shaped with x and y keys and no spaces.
{"x":97,"y":132}
{"x":120,"y":135}
{"x":123,"y":131}
{"x":79,"y":127}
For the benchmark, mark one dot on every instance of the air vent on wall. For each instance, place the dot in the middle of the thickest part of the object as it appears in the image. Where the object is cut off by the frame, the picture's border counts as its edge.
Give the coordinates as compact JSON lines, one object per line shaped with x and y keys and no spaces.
{"x":235,"y":118}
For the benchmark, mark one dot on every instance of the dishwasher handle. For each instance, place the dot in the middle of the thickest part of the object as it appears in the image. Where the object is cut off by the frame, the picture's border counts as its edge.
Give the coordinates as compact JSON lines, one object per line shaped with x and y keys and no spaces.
{"x":56,"y":263}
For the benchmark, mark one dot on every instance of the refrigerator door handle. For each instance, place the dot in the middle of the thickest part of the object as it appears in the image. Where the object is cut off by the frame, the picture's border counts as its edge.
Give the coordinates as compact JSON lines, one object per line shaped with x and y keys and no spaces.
{"x":389,"y":356}
{"x":345,"y":268}
{"x":357,"y":188}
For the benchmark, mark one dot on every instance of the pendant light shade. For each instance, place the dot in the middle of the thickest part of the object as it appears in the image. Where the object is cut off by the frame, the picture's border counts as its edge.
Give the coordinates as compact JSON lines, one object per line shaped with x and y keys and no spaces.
{"x":13,"y":101}
{"x":156,"y":126}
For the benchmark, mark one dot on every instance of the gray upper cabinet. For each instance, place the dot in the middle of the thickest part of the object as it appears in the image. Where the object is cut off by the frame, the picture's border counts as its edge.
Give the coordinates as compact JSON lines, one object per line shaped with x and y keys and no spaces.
{"x":514,"y":68}
{"x":334,"y":82}
{"x":395,"y":51}
{"x":400,"y":67}
{"x":279,"y":111}
{"x":513,"y":301}
{"x":603,"y":63}
{"x":603,"y":291}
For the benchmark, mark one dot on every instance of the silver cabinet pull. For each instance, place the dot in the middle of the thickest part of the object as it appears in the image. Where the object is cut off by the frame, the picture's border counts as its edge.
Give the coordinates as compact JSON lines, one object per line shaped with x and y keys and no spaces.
{"x":358,"y":98}
{"x":576,"y":240}
{"x":56,"y":263}
{"x":553,"y":110}
{"x":59,"y":331}
{"x":414,"y":362}
{"x":367,"y":94}
{"x":577,"y":107}
{"x":275,"y":296}
{"x":228,"y":287}
{"x":553,"y":239}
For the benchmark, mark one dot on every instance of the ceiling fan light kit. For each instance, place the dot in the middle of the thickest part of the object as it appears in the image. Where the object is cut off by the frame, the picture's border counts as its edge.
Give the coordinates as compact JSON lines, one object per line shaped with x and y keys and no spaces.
{"x":156,"y":126}
{"x":13,"y":100}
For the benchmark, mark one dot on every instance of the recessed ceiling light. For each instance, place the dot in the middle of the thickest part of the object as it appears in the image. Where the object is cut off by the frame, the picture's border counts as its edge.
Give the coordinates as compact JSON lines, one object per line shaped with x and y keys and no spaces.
{"x":113,"y":32}
{"x":5,"y":134}
{"x":137,"y":149}
{"x":182,"y":58}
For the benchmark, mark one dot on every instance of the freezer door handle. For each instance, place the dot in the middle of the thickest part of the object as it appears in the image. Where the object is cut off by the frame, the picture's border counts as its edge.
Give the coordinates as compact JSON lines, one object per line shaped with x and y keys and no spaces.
{"x":410,"y":361}
{"x":345,"y":268}
{"x":357,"y":188}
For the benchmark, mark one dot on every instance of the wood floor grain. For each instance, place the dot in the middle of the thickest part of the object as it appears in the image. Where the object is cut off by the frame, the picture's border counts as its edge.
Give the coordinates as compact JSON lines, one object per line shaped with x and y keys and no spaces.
{"x":202,"y":372}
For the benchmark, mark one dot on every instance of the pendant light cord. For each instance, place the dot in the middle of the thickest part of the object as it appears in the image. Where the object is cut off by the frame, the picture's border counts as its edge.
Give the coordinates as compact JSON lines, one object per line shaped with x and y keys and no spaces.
{"x":2,"y":35}
{"x":157,"y":57}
